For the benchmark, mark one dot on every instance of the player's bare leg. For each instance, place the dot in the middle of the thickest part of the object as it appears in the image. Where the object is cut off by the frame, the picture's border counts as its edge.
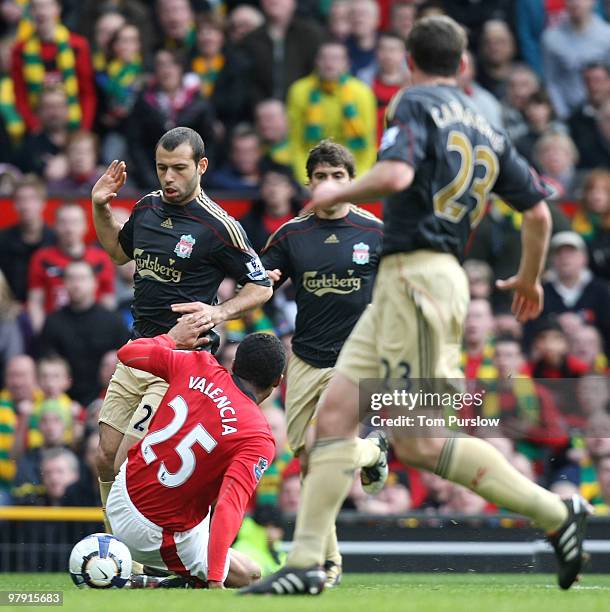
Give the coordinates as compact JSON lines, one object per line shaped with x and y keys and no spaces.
{"x":110,"y":440}
{"x":127,"y":442}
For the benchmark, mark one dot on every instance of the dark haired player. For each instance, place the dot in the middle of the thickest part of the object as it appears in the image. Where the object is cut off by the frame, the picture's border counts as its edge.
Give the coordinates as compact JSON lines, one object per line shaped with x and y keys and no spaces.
{"x":208,"y":443}
{"x":183,"y":245}
{"x":331,"y":257}
{"x":438,"y":160}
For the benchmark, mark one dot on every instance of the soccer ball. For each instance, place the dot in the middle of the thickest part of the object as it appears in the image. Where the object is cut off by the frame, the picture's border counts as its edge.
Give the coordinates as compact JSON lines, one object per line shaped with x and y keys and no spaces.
{"x":100,"y":561}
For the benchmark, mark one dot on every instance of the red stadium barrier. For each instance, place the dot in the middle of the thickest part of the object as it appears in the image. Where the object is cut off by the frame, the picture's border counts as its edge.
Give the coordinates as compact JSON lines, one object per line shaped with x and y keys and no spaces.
{"x":237,"y":207}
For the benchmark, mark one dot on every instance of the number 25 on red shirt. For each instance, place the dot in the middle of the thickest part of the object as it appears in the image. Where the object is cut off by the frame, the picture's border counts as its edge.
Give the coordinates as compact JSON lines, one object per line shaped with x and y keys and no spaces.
{"x":184,"y":448}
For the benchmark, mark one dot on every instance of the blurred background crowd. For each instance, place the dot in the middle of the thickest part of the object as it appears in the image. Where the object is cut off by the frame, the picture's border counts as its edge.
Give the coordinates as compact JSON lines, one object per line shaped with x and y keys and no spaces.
{"x":83,"y":83}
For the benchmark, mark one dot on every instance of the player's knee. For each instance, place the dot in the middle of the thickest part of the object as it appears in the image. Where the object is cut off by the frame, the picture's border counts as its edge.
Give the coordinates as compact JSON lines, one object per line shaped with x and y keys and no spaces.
{"x":334,"y":419}
{"x":243,"y":573}
{"x":253,"y":571}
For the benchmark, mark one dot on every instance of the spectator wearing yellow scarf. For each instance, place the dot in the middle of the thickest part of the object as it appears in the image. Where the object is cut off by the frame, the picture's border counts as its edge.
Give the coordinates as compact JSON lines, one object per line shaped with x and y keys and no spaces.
{"x":34,"y":71}
{"x":331,"y":104}
{"x":8,"y":111}
{"x":105,"y":28}
{"x":272,"y":125}
{"x":593,"y":217}
{"x":177,"y":21}
{"x":478,"y":353}
{"x":121,"y":77}
{"x":209,"y":61}
{"x":49,"y":55}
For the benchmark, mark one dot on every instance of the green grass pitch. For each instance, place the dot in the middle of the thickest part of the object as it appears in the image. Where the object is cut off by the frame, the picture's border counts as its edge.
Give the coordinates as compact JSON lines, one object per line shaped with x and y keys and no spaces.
{"x":359,"y":592}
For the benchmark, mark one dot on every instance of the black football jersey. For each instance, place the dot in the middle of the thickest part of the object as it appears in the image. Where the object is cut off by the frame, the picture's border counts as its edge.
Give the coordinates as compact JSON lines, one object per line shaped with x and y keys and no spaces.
{"x":332,"y":264}
{"x":458,"y":159}
{"x":182,"y":254}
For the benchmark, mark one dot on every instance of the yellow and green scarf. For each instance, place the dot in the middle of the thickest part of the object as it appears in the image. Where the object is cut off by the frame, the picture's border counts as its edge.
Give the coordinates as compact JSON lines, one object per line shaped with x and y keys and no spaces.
{"x":486,"y":370}
{"x":25,"y":27}
{"x":589,"y":224}
{"x":255,"y":321}
{"x":268,"y":489}
{"x":119,"y":80}
{"x":34,"y":72}
{"x":589,"y":486}
{"x":208,"y":71}
{"x":8,"y":111}
{"x":353,"y":126}
{"x":528,"y":410}
{"x":280,"y":152}
{"x":524,"y":391}
{"x":187,"y":43}
{"x":8,"y":424}
{"x":98,"y":59}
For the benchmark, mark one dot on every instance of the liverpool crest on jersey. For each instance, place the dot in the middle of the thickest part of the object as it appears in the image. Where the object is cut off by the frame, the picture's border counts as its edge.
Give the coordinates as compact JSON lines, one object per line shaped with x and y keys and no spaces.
{"x":361,"y":254}
{"x":184,"y":248}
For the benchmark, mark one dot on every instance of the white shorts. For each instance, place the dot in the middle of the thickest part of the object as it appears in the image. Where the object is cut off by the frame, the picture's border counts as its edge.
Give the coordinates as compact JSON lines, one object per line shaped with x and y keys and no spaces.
{"x":184,"y":553}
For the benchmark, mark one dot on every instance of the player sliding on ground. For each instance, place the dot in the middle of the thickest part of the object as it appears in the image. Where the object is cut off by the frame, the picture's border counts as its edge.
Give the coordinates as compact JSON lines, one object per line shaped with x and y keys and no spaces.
{"x":207,"y":443}
{"x":438,"y":160}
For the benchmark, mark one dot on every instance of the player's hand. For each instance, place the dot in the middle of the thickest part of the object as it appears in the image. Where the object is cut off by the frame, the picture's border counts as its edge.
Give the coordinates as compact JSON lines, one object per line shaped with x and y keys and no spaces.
{"x":187,"y":331}
{"x":109,"y":184}
{"x":528,"y":299}
{"x":209,"y":315}
{"x":324,"y":196}
{"x":274,"y":275}
{"x":212,"y":584}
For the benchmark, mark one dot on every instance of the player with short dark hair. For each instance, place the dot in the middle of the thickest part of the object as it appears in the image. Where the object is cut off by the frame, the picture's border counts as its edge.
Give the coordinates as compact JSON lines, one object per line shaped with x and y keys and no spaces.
{"x":438,"y":161}
{"x":436,"y":46}
{"x":331,"y":257}
{"x":258,"y":359}
{"x":330,"y":153}
{"x":208,"y":443}
{"x":184,"y":245}
{"x":180,"y":135}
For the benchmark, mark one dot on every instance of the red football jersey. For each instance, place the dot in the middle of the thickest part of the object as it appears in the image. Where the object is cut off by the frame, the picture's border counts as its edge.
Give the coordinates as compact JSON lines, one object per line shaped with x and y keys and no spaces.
{"x":206,"y":429}
{"x":47,"y":272}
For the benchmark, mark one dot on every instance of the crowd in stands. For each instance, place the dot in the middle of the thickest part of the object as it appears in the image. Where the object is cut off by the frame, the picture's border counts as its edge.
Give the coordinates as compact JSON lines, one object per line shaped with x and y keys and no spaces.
{"x":83,"y":83}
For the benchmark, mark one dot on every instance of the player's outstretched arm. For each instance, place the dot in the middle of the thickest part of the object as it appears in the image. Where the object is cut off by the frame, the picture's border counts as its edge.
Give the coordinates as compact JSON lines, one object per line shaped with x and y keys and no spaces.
{"x":384,"y":178}
{"x":250,"y":296}
{"x":106,"y":226}
{"x":228,"y":516}
{"x":528,"y":299}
